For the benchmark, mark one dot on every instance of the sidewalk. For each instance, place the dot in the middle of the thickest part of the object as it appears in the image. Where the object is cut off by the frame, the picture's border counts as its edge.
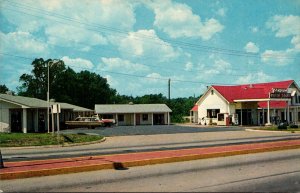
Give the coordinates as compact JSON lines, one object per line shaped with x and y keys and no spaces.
{"x":26,"y":169}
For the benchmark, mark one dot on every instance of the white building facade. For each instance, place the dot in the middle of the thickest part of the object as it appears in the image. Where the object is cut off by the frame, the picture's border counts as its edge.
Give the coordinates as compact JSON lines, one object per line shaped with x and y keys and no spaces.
{"x":253,"y":104}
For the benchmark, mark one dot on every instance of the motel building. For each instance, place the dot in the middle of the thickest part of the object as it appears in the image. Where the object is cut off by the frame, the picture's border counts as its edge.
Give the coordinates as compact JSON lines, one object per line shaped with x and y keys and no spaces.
{"x":135,"y":114}
{"x":249,"y":104}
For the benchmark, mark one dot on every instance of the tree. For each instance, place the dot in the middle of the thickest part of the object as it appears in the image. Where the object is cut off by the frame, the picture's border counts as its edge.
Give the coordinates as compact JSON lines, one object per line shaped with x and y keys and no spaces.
{"x":84,"y":88}
{"x":36,"y":83}
{"x":3,"y":89}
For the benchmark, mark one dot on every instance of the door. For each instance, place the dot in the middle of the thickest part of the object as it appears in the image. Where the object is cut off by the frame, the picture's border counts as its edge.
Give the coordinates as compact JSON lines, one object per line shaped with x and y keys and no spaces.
{"x":16,"y":120}
{"x":158,"y":119}
{"x":137,"y":119}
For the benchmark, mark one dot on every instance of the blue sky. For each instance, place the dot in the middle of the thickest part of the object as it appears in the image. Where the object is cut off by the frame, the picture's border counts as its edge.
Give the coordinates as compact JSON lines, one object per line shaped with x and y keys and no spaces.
{"x":139,"y":45}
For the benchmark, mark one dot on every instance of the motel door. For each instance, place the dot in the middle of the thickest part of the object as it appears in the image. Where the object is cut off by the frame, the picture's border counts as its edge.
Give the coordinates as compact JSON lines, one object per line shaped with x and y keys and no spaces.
{"x":138,"y":119}
{"x":158,"y":119}
{"x":16,"y":120}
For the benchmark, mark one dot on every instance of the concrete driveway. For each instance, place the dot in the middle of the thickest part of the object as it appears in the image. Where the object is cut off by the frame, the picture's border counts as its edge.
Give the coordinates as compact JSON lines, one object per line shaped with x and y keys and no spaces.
{"x":150,"y":130}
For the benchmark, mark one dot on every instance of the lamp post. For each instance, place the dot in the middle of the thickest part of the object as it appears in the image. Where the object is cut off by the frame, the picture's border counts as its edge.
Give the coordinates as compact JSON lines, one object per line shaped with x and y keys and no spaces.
{"x":48,"y":91}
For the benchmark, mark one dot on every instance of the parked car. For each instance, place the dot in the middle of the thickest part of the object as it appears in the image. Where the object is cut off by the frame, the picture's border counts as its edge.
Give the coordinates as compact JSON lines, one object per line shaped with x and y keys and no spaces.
{"x":89,"y":122}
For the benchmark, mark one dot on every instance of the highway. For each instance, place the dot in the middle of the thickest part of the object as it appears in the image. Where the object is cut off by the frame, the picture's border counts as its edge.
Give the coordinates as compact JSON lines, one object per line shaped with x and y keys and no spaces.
{"x":261,"y":172}
{"x":144,"y":143}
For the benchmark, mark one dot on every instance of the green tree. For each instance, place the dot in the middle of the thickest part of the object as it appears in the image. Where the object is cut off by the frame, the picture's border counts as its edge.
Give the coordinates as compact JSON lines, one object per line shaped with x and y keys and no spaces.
{"x":3,"y":88}
{"x":36,"y":83}
{"x":84,"y":88}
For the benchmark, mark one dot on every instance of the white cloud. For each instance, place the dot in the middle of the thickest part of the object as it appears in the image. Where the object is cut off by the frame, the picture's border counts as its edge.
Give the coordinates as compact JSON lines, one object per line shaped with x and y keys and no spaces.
{"x":178,"y":20}
{"x":254,"y":29}
{"x":251,"y":47}
{"x":69,"y":21}
{"x":146,"y":43}
{"x":296,"y":42}
{"x":22,"y":42}
{"x":66,"y":35}
{"x":122,"y":65}
{"x":188,"y":66}
{"x":222,"y":12}
{"x":111,"y":81}
{"x":254,"y":78}
{"x":278,"y":58}
{"x":285,"y":25}
{"x":154,"y":77}
{"x":78,"y":64}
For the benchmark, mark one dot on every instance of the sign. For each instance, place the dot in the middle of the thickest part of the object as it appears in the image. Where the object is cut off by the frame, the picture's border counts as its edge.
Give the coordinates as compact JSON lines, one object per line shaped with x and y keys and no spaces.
{"x":280,"y":93}
{"x":56,"y":108}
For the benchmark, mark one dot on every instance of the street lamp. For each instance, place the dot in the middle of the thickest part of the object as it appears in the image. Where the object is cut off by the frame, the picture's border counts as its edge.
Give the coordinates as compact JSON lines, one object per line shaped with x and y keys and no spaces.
{"x":51,"y":62}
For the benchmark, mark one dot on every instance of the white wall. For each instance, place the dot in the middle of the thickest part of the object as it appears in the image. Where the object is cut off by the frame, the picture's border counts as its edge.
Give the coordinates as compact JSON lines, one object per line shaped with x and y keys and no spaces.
{"x":4,"y":116}
{"x":211,"y":101}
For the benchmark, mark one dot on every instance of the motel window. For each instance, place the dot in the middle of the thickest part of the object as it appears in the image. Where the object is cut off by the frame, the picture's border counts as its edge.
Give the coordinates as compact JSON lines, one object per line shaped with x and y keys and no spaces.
{"x":120,"y":118}
{"x":145,"y":117}
{"x":212,"y":113}
{"x":221,"y":117}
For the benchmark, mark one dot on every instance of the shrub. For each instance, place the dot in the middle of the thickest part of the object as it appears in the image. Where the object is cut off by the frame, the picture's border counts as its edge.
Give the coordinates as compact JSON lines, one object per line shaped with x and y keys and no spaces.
{"x":294,"y":126}
{"x":282,"y":127}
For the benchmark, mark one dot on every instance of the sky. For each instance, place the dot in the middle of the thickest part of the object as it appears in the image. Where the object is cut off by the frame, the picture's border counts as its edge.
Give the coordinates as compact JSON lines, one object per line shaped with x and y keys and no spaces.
{"x":139,"y":45}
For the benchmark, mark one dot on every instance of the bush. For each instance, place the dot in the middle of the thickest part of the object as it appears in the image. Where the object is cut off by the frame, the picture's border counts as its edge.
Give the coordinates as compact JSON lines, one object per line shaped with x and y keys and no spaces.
{"x":282,"y":127}
{"x":294,"y":126}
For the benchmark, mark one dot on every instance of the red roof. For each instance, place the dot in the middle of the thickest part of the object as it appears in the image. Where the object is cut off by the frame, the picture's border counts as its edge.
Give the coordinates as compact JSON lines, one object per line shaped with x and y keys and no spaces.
{"x":250,"y":91}
{"x":273,"y":104}
{"x":195,"y":108}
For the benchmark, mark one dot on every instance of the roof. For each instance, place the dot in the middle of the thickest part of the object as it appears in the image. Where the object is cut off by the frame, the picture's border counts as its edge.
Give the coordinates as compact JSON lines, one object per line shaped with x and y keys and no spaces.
{"x":38,"y":103}
{"x":26,"y":101}
{"x":273,"y":104}
{"x":250,"y":91}
{"x":195,"y":108}
{"x":74,"y":107}
{"x":134,"y":108}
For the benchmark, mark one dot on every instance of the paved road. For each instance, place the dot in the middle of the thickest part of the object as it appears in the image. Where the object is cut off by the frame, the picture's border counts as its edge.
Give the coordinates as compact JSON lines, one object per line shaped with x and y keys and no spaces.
{"x":135,"y":143}
{"x":150,"y":130}
{"x":262,"y":172}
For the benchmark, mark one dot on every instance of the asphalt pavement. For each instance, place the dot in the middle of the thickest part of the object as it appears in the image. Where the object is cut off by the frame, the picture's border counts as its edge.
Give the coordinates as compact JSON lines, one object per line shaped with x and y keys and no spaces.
{"x":150,"y":130}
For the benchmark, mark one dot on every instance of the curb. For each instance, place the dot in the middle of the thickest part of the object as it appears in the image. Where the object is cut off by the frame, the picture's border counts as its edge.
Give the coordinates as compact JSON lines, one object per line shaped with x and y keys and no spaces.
{"x":109,"y":162}
{"x":52,"y":146}
{"x":260,"y":130}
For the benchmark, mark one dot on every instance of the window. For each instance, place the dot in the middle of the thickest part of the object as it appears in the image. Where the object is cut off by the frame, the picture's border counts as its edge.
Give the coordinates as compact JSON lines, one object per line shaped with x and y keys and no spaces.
{"x":212,"y":92}
{"x":120,"y":118}
{"x":212,"y":113}
{"x":145,"y":117}
{"x":221,"y":117}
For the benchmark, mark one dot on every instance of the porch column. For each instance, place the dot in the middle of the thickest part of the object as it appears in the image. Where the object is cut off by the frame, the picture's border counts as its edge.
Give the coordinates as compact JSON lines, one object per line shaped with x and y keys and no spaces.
{"x":36,"y":120}
{"x":241,"y":114}
{"x":134,"y":120}
{"x":152,"y":119}
{"x":24,"y":125}
{"x":288,"y":113}
{"x":285,"y":114}
{"x":268,"y":114}
{"x":263,"y":112}
{"x":191,"y":116}
{"x":168,"y":118}
{"x":117,"y":120}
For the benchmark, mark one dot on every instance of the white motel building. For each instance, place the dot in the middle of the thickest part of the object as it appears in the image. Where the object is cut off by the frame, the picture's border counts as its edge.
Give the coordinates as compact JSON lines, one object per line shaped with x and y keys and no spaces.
{"x":249,"y":104}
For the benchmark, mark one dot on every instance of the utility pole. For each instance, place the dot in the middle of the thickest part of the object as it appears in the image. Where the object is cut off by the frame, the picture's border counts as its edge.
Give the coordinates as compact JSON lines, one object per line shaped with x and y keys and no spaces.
{"x":169,"y":88}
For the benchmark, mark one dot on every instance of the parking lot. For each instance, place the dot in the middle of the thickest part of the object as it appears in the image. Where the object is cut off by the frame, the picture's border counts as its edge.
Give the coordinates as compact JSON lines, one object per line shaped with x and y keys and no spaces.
{"x":150,"y":130}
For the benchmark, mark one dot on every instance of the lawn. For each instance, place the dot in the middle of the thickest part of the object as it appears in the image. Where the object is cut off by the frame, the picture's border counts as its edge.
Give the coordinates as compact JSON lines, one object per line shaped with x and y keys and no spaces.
{"x":40,"y":139}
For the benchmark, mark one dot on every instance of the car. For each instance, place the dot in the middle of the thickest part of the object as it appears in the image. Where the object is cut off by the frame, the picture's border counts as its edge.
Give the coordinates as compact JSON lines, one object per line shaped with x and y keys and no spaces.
{"x":89,"y":122}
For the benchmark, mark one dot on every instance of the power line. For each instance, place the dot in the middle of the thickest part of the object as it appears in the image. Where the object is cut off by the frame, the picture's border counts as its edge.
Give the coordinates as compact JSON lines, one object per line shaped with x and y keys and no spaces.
{"x":131,"y":75}
{"x":190,"y":46}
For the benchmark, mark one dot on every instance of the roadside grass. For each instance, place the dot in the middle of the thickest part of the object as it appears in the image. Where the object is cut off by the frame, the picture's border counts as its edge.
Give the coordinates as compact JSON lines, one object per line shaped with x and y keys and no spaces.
{"x":40,"y":139}
{"x":275,"y":128}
